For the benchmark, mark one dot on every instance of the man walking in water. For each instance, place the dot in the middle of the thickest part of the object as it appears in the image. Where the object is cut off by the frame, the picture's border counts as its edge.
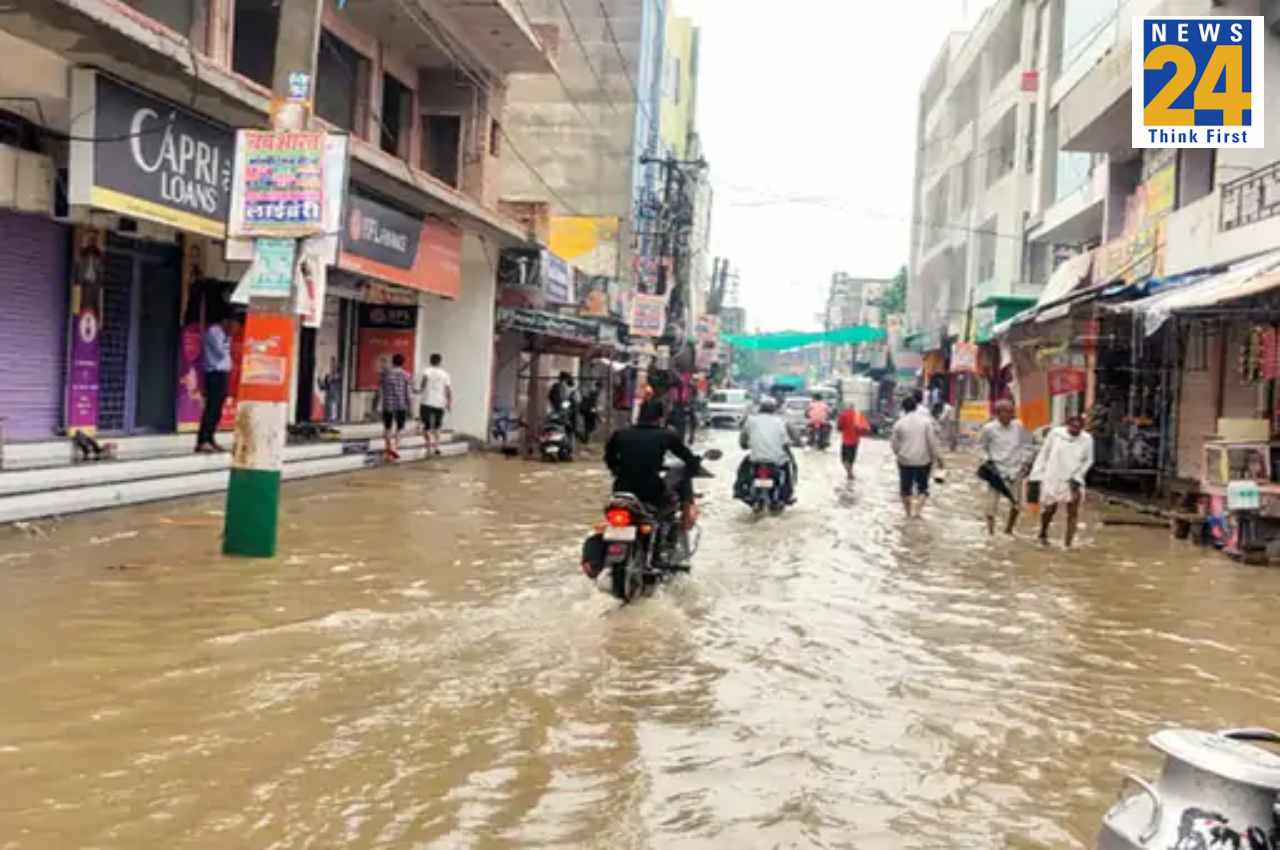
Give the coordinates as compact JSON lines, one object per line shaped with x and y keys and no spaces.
{"x":436,"y":391}
{"x":915,"y":445}
{"x":852,"y":425}
{"x":1006,"y":450}
{"x":1061,"y":467}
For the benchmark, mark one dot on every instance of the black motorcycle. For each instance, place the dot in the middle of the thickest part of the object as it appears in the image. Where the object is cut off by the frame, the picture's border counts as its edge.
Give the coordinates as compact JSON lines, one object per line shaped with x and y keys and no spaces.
{"x":766,"y":489}
{"x":556,"y":441}
{"x":640,"y":546}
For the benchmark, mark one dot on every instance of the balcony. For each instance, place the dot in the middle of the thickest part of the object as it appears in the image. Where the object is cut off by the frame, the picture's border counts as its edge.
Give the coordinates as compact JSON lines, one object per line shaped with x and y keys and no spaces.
{"x":1236,"y":220}
{"x":1076,"y":217}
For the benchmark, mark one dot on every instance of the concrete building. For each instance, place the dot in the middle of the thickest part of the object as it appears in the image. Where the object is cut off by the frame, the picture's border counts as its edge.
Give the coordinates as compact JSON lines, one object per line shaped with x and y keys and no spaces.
{"x":150,"y":93}
{"x":974,"y":167}
{"x":851,"y":301}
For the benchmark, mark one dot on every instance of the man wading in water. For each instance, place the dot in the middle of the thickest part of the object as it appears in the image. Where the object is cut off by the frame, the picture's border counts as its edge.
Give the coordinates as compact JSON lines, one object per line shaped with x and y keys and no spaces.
{"x":1061,"y":466}
{"x":1006,"y":451}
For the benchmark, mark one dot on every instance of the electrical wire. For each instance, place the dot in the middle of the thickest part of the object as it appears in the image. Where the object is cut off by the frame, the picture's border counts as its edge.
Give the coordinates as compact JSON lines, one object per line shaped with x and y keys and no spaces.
{"x":586,"y":57}
{"x":622,"y":60}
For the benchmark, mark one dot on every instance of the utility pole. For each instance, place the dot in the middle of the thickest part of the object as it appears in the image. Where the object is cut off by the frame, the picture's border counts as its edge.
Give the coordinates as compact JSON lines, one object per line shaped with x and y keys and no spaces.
{"x":262,"y":414}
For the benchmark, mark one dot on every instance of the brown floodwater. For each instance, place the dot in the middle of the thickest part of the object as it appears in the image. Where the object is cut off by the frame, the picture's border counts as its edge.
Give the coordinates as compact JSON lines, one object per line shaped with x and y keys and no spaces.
{"x":425,"y":667}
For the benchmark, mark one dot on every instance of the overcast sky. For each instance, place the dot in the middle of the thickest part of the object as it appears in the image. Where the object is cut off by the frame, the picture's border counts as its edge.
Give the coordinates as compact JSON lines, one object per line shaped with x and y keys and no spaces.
{"x":813,"y":99}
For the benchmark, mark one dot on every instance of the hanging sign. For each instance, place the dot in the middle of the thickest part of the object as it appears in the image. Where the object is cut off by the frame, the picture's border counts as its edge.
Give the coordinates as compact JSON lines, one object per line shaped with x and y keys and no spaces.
{"x":1066,"y":380}
{"x":557,"y":279}
{"x":310,"y":281}
{"x":648,"y":315}
{"x":278,"y":190}
{"x":271,"y":275}
{"x":964,"y":357}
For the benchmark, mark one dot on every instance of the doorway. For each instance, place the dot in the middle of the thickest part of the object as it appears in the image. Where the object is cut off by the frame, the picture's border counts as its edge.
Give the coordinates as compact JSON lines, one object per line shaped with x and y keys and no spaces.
{"x":306,"y":376}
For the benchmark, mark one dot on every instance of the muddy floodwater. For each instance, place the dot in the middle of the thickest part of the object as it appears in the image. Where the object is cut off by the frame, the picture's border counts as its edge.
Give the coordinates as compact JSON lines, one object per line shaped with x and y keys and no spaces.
{"x":425,"y":667}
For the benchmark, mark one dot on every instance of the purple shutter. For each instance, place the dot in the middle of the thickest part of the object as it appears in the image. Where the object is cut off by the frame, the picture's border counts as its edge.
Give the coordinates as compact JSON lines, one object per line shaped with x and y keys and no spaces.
{"x":33,"y":318}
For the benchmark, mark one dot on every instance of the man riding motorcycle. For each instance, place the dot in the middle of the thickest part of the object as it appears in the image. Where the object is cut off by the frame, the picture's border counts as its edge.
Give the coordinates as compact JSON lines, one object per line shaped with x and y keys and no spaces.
{"x":767,"y":441}
{"x":819,"y":416}
{"x":635,"y":456}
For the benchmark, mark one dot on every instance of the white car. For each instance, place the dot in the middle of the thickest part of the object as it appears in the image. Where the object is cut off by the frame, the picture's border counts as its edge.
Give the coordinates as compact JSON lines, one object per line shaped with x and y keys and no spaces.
{"x":728,"y":408}
{"x":795,"y":410}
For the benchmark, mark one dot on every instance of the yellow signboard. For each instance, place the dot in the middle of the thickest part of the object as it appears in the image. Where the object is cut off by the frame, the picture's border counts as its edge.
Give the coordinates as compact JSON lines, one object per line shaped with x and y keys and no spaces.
{"x":588,"y":242}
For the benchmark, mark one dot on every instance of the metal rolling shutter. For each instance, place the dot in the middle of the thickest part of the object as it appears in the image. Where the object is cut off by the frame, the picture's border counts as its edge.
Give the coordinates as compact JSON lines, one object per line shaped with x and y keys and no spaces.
{"x":33,"y":320}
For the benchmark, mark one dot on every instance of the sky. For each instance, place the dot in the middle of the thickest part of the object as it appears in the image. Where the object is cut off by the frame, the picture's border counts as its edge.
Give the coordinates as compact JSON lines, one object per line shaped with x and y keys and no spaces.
{"x":816,"y":100}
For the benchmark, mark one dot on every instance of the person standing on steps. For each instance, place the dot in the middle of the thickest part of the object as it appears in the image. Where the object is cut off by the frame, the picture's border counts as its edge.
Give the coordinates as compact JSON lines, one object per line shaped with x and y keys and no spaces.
{"x":216,"y":358}
{"x":1061,"y":466}
{"x":436,"y":392}
{"x":394,"y":389}
{"x":1006,"y":451}
{"x":915,"y":445}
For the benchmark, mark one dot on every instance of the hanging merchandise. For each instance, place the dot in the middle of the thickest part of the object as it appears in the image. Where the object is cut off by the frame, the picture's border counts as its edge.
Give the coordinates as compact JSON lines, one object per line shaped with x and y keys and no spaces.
{"x":1269,"y":371}
{"x":1250,"y":362}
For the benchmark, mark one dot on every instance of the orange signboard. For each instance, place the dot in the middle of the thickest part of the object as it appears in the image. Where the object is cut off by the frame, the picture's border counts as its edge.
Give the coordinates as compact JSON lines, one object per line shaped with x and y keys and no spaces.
{"x":387,"y":244}
{"x":268,"y":352}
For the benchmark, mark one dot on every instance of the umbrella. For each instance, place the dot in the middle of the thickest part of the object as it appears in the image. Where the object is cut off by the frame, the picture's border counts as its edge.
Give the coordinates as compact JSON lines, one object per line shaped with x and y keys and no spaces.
{"x":988,"y":473}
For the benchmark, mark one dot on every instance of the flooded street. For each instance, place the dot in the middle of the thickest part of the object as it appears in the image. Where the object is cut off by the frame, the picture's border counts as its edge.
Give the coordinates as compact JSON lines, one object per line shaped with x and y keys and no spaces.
{"x":426,"y":667}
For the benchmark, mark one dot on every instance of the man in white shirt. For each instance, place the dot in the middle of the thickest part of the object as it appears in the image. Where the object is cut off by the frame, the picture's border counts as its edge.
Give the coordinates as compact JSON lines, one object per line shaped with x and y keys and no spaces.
{"x":1061,"y":467}
{"x":1006,"y":451}
{"x":767,"y":441}
{"x":436,"y":390}
{"x":915,"y":445}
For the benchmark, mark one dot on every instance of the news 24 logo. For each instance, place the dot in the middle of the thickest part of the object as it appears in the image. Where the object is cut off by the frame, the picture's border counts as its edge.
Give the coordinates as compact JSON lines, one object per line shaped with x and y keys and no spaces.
{"x":1197,"y":82}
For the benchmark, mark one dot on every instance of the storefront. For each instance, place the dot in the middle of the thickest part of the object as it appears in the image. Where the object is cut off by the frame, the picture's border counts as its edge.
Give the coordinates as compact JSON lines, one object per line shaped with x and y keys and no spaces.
{"x":150,"y":274}
{"x":33,"y":325}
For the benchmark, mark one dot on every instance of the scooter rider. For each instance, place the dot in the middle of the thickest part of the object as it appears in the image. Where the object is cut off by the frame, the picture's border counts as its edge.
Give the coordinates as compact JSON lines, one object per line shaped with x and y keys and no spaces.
{"x":635,"y":455}
{"x":765,"y":436}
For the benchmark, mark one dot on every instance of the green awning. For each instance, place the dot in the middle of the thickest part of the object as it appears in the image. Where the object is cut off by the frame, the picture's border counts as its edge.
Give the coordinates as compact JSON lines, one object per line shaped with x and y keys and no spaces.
{"x":794,"y":339}
{"x":995,"y":309}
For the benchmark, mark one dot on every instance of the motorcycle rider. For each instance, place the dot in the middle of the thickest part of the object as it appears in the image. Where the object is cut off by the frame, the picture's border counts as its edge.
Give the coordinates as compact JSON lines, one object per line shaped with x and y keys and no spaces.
{"x":819,"y":415}
{"x":767,"y":441}
{"x":634,"y":455}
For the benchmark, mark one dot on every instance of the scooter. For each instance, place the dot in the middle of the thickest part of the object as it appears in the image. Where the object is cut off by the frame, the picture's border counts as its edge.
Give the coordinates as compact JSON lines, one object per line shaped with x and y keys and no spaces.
{"x":556,"y":441}
{"x":641,"y":546}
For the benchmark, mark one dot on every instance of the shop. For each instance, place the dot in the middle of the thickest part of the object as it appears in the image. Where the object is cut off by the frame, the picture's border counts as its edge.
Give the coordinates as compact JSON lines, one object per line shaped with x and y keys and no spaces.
{"x":147,"y":270}
{"x":33,"y":325}
{"x":389,"y":260}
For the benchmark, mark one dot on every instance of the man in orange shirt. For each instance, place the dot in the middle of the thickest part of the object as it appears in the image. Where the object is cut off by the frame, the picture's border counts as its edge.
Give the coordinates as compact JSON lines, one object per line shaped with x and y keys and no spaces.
{"x":852,"y":426}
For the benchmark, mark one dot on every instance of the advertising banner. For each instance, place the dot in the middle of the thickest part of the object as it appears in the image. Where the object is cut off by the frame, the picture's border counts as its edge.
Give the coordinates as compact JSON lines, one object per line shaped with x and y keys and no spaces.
{"x":383,"y":332}
{"x":557,"y":279}
{"x":382,"y":242}
{"x":964,"y":357}
{"x":86,"y":331}
{"x":271,"y":275}
{"x":648,"y":315}
{"x":139,"y":155}
{"x":588,"y":242}
{"x":540,"y":323}
{"x":189,"y":400}
{"x":1065,"y":380}
{"x":278,"y":188}
{"x":268,"y":348}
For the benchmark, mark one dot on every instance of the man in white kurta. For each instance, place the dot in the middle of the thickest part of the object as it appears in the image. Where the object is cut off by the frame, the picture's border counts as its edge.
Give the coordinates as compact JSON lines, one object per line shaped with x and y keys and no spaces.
{"x":1060,"y":467}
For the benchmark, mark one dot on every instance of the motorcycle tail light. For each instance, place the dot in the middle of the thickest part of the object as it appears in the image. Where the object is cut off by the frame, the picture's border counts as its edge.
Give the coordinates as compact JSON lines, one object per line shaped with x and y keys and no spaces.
{"x":646,"y":529}
{"x":764,"y":472}
{"x":618,"y":517}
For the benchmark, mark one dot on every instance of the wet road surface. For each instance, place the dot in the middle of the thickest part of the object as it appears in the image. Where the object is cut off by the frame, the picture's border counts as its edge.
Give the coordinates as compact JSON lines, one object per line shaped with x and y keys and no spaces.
{"x":426,"y":668}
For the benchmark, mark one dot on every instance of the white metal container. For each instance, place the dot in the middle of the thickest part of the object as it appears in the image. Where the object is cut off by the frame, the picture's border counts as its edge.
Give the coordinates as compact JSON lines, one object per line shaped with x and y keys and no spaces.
{"x":1215,"y":791}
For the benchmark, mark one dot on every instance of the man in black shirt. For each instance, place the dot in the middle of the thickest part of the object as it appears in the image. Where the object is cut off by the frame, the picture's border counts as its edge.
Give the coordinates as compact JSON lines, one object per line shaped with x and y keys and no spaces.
{"x":634,"y":455}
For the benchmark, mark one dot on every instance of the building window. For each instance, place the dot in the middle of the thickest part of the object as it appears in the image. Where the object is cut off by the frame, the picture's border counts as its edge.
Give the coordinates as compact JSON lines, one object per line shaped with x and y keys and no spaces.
{"x":175,"y":14}
{"x":342,"y":84}
{"x":397,"y":116}
{"x":253,"y":48}
{"x":442,"y":147}
{"x":495,"y":138}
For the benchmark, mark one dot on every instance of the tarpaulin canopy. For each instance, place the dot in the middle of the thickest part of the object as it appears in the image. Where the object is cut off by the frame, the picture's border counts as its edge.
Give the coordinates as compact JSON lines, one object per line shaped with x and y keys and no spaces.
{"x":795,"y":339}
{"x":1242,"y":280}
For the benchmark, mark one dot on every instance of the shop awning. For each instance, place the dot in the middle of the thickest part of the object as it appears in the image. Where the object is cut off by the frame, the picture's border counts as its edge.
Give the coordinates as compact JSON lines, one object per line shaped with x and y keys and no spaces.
{"x":1242,"y":280}
{"x":583,"y":333}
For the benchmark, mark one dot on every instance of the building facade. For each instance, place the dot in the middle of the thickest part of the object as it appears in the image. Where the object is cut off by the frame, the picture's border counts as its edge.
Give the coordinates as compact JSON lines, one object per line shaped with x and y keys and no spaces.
{"x":124,"y":112}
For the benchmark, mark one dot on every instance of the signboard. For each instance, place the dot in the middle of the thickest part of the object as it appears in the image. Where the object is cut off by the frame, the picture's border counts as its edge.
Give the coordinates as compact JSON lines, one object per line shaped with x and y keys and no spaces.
{"x":557,"y":279}
{"x":153,"y":160}
{"x":540,"y":323}
{"x":383,"y":332}
{"x":648,"y":315}
{"x":268,"y":348}
{"x":279,"y":184}
{"x":271,"y":275}
{"x":86,"y":331}
{"x":593,"y":294}
{"x":964,"y":357}
{"x":1066,"y":380}
{"x":385,"y":243}
{"x":1198,"y":82}
{"x":588,"y":242}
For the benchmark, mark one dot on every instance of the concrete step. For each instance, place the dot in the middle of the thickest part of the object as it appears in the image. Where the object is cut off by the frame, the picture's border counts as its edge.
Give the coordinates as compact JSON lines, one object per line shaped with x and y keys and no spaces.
{"x":197,"y":475}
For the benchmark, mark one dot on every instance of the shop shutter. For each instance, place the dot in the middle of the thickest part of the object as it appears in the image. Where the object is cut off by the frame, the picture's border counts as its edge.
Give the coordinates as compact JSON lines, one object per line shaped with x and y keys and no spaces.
{"x":33,"y":292}
{"x":1197,"y":411}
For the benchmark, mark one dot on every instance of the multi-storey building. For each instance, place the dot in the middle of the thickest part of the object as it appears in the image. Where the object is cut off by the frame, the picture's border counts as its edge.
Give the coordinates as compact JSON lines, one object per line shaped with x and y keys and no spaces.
{"x":122,"y":113}
{"x":851,"y":301}
{"x":974,"y":167}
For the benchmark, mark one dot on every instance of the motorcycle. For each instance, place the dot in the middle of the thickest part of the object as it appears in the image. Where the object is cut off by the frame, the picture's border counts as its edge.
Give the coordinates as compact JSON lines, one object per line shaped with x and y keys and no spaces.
{"x":557,"y":437}
{"x":768,"y":490}
{"x":818,"y":436}
{"x":640,"y":546}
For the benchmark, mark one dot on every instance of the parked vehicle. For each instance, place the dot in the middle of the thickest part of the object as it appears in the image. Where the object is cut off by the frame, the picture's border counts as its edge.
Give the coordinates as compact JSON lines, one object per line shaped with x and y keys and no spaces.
{"x":640,"y":546}
{"x":728,"y":408}
{"x":795,"y":410}
{"x":557,"y":438}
